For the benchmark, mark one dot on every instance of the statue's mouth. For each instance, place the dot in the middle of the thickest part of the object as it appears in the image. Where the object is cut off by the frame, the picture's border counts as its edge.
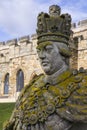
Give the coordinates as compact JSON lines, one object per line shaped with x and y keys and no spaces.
{"x":44,"y":63}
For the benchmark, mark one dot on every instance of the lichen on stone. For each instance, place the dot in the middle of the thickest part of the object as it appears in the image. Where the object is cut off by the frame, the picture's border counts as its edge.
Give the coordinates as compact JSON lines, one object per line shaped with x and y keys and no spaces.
{"x":43,"y":44}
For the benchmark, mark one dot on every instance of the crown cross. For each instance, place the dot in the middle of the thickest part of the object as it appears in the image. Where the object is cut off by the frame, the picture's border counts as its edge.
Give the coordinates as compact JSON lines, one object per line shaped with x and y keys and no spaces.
{"x":54,"y":29}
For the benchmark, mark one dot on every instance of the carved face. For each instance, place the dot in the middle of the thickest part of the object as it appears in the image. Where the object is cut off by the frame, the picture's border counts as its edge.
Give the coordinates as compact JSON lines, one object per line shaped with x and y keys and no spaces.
{"x":54,"y":10}
{"x":50,"y":58}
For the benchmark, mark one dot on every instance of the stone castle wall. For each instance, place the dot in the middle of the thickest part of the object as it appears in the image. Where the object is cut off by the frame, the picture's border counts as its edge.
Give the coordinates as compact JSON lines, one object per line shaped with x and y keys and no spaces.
{"x":80,"y":40}
{"x":15,"y":55}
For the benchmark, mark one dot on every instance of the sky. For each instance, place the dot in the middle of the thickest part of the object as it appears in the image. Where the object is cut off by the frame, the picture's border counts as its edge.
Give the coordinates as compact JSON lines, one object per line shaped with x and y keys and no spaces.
{"x":19,"y":17}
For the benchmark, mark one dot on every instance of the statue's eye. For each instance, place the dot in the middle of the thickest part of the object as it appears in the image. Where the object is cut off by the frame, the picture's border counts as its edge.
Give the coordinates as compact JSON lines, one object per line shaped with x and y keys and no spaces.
{"x":49,"y":49}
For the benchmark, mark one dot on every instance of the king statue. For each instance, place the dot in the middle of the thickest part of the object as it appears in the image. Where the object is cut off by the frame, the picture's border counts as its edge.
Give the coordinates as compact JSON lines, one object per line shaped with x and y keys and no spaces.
{"x":57,"y":99}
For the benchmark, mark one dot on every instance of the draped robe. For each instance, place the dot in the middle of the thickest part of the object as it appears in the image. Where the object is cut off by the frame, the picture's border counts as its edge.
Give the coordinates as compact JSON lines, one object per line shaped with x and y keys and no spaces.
{"x":46,"y":106}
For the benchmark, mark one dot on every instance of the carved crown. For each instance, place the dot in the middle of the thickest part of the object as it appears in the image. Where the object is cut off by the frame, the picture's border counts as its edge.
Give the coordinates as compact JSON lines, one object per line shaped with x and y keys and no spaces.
{"x":53,"y":26}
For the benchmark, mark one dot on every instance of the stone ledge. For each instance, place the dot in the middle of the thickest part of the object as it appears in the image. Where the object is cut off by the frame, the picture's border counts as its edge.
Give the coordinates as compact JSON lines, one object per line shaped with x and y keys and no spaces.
{"x":7,"y":99}
{"x":4,"y":96}
{"x":24,"y":39}
{"x":34,"y":36}
{"x":12,"y":42}
{"x":2,"y":43}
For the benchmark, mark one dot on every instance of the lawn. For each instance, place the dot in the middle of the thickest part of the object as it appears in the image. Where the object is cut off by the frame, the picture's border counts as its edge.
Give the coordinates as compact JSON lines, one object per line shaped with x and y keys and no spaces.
{"x":5,"y":112}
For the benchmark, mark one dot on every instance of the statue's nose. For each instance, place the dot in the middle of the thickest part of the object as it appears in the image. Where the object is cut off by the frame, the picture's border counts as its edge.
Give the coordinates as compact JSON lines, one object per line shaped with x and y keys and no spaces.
{"x":42,"y":54}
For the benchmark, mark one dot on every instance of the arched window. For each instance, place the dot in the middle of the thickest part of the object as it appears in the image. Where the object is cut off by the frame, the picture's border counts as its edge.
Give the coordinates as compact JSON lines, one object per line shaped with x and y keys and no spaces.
{"x":6,"y":84}
{"x":19,"y":80}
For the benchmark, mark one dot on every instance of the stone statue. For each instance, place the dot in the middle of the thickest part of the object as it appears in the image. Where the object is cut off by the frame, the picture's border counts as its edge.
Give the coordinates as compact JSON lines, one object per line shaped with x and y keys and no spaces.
{"x":56,"y":100}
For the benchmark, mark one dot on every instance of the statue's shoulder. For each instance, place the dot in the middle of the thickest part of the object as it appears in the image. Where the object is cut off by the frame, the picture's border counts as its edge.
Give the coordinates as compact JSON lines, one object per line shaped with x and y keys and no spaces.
{"x":75,"y":106}
{"x":79,"y":79}
{"x":75,"y":80}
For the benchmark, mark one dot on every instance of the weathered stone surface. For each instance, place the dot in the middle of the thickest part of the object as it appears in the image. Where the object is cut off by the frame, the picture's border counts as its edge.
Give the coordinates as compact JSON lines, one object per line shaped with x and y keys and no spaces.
{"x":80,"y":32}
{"x":24,"y":39}
{"x":14,"y":58}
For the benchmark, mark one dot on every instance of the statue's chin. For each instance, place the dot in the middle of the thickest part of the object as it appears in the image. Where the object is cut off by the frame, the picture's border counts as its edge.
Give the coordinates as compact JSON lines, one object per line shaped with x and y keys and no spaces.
{"x":46,"y":69}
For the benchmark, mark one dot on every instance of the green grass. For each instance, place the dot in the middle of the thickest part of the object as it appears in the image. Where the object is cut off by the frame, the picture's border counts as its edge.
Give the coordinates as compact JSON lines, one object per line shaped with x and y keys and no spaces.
{"x":5,"y":112}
